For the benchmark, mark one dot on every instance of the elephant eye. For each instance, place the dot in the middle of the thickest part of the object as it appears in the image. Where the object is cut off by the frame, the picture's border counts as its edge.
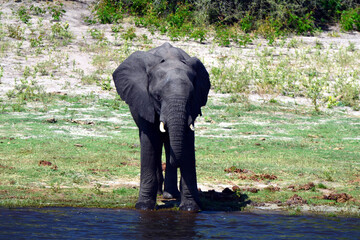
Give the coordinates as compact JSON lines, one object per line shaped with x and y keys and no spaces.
{"x":157,"y":97}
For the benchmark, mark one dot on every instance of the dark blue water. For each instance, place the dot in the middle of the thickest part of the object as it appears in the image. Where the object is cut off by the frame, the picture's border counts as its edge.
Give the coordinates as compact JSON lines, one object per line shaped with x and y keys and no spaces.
{"x":78,"y":223}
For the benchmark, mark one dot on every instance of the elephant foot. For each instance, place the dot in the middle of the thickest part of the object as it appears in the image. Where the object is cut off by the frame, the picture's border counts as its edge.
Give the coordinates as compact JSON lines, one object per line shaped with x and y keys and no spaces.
{"x":189,"y":206}
{"x":145,"y":205}
{"x":167,"y":195}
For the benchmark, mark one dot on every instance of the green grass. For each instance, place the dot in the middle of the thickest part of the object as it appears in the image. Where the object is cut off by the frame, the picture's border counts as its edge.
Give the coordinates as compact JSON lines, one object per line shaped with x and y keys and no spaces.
{"x":96,"y":150}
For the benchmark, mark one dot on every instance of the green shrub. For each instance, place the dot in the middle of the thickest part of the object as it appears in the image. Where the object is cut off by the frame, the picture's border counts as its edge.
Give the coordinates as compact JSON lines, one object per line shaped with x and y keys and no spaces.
{"x":222,"y":36}
{"x":108,"y":11}
{"x":57,"y":10}
{"x":350,"y":19}
{"x":247,"y":23}
{"x":270,"y":28}
{"x":271,"y":19}
{"x":116,"y":28}
{"x":349,"y":95}
{"x":302,"y":25}
{"x":137,"y":7}
{"x":230,"y":79}
{"x":129,"y":34}
{"x":23,"y":14}
{"x":314,"y":85}
{"x":97,"y":34}
{"x":37,"y":10}
{"x":181,"y":15}
{"x":198,"y":34}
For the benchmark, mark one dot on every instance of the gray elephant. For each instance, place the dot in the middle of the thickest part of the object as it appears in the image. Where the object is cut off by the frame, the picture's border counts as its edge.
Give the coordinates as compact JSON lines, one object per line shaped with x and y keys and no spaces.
{"x":165,"y":89}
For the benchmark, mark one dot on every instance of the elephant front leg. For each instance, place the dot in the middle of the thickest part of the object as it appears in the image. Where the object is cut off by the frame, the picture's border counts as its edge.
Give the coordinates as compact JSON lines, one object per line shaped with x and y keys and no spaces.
{"x":171,"y":179}
{"x":188,"y":190}
{"x":150,"y":158}
{"x":188,"y":183}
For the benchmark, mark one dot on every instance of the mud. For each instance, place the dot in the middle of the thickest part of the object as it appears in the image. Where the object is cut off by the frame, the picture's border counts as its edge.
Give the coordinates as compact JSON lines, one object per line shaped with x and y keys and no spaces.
{"x":296,"y":200}
{"x":305,"y":187}
{"x":45,"y":163}
{"x":80,"y":122}
{"x":247,"y":174}
{"x":6,"y":167}
{"x":338,"y":197}
{"x":48,"y":164}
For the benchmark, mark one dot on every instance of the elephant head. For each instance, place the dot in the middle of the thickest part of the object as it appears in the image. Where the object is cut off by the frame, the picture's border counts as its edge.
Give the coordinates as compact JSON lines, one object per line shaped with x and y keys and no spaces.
{"x":164,"y":86}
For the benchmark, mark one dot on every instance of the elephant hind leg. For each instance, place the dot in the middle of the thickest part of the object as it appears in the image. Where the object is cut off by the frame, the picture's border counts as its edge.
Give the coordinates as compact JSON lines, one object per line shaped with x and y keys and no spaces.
{"x":160,"y":178}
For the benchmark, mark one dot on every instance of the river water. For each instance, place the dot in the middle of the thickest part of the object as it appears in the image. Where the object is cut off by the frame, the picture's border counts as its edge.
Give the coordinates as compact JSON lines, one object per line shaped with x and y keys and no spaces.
{"x":82,"y":223}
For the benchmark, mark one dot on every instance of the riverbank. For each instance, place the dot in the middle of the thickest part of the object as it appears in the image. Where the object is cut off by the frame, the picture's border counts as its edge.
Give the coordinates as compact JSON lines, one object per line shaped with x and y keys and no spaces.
{"x":67,"y":140}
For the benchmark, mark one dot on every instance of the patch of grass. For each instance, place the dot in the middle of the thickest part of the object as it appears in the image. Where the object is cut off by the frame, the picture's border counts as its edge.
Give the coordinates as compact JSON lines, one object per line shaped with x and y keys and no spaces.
{"x":96,"y":149}
{"x":60,"y":31}
{"x":15,"y":32}
{"x":90,"y":79}
{"x":97,"y":34}
{"x":56,"y":10}
{"x":23,"y":14}
{"x":129,"y":34}
{"x":1,"y":72}
{"x":37,"y":10}
{"x":26,"y":91}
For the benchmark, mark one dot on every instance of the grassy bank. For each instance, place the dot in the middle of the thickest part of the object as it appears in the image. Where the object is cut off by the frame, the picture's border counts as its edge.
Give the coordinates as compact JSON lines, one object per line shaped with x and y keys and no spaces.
{"x":60,"y":158}
{"x":281,"y":119}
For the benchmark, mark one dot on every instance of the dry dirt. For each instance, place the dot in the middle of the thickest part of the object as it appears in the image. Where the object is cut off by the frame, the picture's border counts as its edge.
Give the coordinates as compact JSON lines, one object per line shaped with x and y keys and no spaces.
{"x":62,"y":81}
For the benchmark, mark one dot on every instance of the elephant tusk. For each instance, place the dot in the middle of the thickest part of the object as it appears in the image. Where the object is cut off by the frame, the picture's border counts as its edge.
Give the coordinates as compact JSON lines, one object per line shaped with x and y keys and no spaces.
{"x":162,"y":127}
{"x":192,"y":127}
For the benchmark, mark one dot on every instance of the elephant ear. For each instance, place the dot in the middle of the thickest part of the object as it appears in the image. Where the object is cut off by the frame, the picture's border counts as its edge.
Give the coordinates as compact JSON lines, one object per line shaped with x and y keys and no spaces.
{"x":131,"y":82}
{"x":201,"y":85}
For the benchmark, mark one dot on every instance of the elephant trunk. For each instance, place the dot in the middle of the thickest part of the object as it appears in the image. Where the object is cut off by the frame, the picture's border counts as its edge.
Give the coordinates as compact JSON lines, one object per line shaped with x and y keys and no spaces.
{"x":177,"y":119}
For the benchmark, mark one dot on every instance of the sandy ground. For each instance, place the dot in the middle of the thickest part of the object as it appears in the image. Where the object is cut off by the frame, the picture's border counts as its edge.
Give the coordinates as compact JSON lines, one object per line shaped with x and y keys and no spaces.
{"x":73,"y":57}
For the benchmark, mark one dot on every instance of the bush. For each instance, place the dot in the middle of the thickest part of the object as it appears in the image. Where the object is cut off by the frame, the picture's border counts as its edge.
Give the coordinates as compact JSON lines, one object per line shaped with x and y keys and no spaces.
{"x":108,"y":11}
{"x":350,"y":20}
{"x":302,"y":25}
{"x":269,"y":18}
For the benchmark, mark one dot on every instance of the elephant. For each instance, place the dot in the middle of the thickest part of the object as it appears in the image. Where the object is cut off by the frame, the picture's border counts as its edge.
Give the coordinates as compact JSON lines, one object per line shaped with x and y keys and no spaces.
{"x":165,"y":89}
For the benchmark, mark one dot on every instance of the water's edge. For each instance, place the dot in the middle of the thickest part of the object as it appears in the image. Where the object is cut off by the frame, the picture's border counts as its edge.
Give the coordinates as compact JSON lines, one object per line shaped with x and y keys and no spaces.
{"x":91,"y":223}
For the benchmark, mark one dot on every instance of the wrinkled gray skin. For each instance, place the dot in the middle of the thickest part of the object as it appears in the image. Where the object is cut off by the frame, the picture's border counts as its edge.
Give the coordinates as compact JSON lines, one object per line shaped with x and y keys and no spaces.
{"x":165,"y":85}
